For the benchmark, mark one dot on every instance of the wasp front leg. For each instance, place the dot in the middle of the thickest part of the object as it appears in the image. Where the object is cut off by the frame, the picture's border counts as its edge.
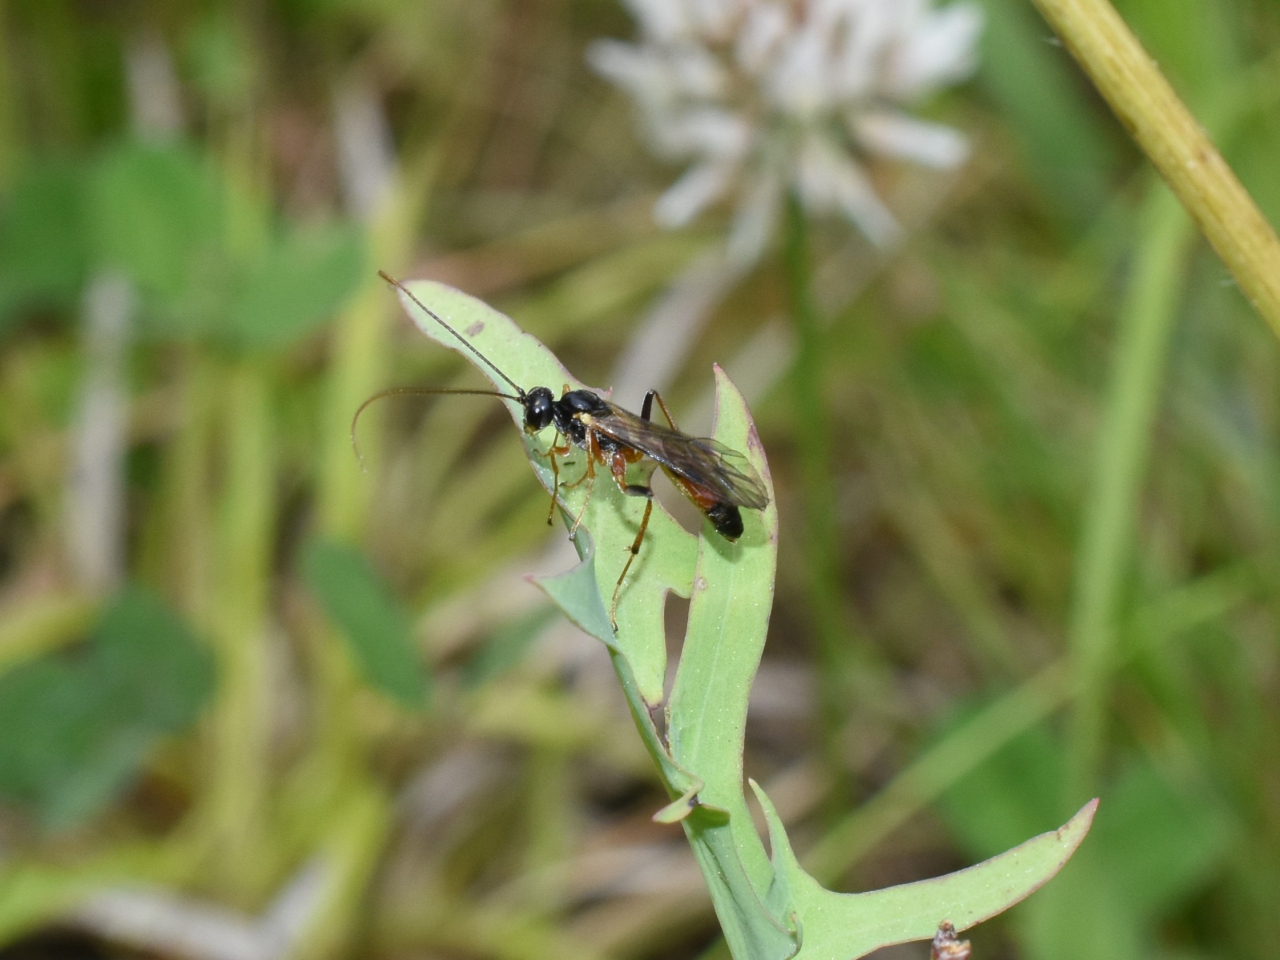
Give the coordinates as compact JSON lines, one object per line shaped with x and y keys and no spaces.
{"x":554,"y":451}
{"x":593,"y":454}
{"x":618,"y":467}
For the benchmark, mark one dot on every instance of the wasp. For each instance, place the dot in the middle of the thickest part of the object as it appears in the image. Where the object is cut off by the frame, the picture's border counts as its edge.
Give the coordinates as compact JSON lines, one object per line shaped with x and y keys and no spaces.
{"x":719,"y":481}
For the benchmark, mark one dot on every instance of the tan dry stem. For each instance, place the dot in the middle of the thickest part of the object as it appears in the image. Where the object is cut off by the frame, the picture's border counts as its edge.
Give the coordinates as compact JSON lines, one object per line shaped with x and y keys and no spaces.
{"x":1167,"y":132}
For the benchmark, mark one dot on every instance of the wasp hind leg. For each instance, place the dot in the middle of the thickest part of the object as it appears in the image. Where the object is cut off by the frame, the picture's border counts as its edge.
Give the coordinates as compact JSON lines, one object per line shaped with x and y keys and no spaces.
{"x":646,"y":410}
{"x":618,"y":467}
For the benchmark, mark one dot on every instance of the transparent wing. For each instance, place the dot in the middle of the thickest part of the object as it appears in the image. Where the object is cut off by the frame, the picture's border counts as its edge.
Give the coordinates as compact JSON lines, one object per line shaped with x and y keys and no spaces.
{"x":700,"y":460}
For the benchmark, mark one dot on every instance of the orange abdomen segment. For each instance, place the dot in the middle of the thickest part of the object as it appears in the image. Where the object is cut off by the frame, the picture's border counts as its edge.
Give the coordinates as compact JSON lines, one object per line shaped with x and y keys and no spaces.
{"x":725,"y":517}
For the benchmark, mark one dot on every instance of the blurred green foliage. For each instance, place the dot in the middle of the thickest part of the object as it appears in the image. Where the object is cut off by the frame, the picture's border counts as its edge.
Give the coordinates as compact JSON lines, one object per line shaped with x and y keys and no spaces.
{"x":1051,"y":353}
{"x":43,"y":249}
{"x":74,"y":730}
{"x":376,"y":626}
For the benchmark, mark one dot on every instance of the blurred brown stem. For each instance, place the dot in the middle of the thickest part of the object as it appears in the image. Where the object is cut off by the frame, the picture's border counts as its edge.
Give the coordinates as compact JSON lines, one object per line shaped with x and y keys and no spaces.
{"x":1144,"y":101}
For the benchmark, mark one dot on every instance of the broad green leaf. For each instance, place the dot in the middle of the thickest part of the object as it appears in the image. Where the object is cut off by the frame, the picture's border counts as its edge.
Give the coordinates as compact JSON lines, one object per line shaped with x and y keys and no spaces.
{"x":73,"y":732}
{"x":154,"y":213}
{"x":149,"y":666}
{"x":42,"y":242}
{"x":300,"y":282}
{"x":377,"y":628}
{"x":667,"y":558}
{"x":1162,"y":841}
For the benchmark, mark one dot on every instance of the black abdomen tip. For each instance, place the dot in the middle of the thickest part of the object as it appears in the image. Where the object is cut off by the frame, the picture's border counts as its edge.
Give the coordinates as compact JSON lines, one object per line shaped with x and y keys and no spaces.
{"x":727,"y":519}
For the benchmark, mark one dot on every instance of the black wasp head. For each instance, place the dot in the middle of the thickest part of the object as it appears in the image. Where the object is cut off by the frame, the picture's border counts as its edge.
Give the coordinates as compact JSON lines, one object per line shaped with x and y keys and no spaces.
{"x":539,"y":408}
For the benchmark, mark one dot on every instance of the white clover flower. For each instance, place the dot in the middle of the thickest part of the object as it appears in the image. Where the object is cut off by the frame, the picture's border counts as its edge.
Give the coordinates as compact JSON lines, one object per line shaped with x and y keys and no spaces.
{"x":768,"y":96}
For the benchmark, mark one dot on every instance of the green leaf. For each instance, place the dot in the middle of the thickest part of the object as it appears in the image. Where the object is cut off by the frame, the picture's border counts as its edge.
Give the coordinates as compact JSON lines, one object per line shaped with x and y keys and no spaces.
{"x":577,"y":593}
{"x":1162,"y":842}
{"x":73,"y":732}
{"x":1009,"y":794}
{"x":835,"y":926}
{"x":667,"y":559}
{"x":506,"y":648}
{"x":148,"y":665}
{"x":42,"y":244}
{"x":377,"y":628}
{"x":219,"y":59}
{"x":154,"y":213}
{"x":1154,"y":846}
{"x":768,"y":908}
{"x":707,"y":713}
{"x":1196,"y":42}
{"x":708,"y":708}
{"x":300,"y":282}
{"x":724,"y":640}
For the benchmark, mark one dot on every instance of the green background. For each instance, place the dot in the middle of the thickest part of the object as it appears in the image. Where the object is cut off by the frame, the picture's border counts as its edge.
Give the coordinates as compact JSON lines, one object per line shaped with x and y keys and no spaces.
{"x":1046,"y":436}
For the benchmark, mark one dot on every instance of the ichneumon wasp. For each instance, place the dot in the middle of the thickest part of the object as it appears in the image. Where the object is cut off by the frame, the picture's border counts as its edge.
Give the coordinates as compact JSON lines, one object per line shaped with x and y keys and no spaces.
{"x":718,"y":481}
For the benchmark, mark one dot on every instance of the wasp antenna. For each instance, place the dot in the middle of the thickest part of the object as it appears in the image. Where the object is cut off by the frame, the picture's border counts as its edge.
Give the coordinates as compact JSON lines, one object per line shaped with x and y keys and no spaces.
{"x":412,"y":392}
{"x":460,"y":338}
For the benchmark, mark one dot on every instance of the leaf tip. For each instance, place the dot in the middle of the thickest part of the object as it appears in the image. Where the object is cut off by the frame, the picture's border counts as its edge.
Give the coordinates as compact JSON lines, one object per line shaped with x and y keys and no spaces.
{"x":1077,"y":828}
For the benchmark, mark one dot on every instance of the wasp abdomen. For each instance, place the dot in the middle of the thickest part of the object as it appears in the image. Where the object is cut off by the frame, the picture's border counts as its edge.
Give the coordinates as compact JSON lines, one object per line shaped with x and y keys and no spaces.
{"x":727,"y":519}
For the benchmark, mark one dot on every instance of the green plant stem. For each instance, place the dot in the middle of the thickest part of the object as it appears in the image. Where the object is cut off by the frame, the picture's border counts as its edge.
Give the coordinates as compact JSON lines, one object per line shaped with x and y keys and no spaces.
{"x":1120,"y":466}
{"x":360,"y":818}
{"x":360,"y":345}
{"x":361,"y":342}
{"x":241,"y":717}
{"x":335,"y":775}
{"x":1170,"y":136}
{"x":188,"y":481}
{"x":813,"y":439}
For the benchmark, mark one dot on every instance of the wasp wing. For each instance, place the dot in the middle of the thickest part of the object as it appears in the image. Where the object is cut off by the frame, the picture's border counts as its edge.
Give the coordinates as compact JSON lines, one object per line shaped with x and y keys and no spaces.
{"x":702,"y":461}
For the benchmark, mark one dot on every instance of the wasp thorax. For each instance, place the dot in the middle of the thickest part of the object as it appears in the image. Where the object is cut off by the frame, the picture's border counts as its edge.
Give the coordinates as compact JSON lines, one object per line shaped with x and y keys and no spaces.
{"x":572,"y":407}
{"x":539,"y":409}
{"x":580,"y":401}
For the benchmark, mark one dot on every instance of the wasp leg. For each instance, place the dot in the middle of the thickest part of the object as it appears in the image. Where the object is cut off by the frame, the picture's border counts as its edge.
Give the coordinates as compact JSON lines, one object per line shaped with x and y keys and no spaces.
{"x":647,"y":408}
{"x":552,"y":452}
{"x":593,"y":454}
{"x":618,"y":466}
{"x":585,"y":474}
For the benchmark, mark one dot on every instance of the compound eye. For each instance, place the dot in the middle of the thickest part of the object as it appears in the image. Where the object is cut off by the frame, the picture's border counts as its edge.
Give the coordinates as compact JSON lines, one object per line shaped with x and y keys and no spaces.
{"x":539,"y":410}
